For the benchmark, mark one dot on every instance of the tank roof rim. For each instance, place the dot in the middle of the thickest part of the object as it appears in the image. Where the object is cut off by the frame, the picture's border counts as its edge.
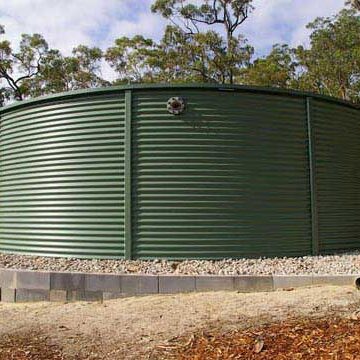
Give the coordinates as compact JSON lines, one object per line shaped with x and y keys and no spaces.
{"x":120,"y":88}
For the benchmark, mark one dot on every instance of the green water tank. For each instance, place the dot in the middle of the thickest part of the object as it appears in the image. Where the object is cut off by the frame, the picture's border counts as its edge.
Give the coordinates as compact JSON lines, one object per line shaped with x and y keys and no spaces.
{"x":179,"y":172}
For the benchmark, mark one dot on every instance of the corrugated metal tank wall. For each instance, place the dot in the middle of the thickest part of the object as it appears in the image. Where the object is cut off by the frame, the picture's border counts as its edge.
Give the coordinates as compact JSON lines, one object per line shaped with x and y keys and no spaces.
{"x":227,"y":178}
{"x":243,"y":172}
{"x":337,"y":166}
{"x":62,"y":178}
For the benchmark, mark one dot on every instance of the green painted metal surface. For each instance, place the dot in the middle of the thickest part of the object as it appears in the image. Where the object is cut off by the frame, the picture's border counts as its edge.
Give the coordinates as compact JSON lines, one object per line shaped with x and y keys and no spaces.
{"x":337,"y":168}
{"x":228,"y":178}
{"x":127,"y":176}
{"x":62,"y":178}
{"x":243,"y":172}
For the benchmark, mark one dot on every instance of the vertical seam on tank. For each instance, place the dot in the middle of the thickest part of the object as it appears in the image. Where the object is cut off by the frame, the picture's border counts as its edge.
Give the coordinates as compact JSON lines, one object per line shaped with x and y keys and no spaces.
{"x":127,"y":172}
{"x":312,"y":177}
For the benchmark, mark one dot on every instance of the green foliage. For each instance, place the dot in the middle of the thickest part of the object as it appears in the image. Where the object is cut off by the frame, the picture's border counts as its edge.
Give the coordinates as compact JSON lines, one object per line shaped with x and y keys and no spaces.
{"x":64,"y":73}
{"x":27,"y":61}
{"x":331,"y":65}
{"x":187,"y":15}
{"x":212,"y":49}
{"x":202,"y":57}
{"x":193,"y":49}
{"x":36,"y":70}
{"x":179,"y":57}
{"x":86,"y":67}
{"x":132,"y":59}
{"x":278,"y":69}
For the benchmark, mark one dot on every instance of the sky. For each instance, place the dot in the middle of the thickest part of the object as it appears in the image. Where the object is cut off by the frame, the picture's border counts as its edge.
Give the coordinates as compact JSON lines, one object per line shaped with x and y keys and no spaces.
{"x":68,"y":23}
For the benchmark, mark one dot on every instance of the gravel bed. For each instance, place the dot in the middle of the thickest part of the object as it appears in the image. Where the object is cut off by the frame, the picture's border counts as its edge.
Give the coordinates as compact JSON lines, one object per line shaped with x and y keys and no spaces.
{"x":348,"y":263}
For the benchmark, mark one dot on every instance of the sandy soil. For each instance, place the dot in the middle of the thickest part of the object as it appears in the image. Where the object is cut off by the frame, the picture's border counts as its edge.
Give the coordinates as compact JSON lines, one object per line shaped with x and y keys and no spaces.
{"x":130,"y":328}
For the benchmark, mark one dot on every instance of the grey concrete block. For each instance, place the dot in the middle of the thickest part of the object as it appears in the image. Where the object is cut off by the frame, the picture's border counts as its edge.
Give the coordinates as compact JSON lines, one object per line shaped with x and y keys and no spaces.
{"x":214,"y":283}
{"x":8,"y":295}
{"x":58,"y":295}
{"x":67,"y":281}
{"x":338,"y":280}
{"x":82,"y":295}
{"x":292,"y":281}
{"x":33,"y":280}
{"x":139,"y":284}
{"x":102,"y":282}
{"x":8,"y":279}
{"x":176,"y":284}
{"x":32,"y":295}
{"x":253,"y":283}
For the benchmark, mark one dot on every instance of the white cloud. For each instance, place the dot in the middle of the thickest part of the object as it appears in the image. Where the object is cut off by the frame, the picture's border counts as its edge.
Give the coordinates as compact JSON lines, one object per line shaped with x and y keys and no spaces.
{"x":67,"y":23}
{"x":64,"y":23}
{"x":279,"y":21}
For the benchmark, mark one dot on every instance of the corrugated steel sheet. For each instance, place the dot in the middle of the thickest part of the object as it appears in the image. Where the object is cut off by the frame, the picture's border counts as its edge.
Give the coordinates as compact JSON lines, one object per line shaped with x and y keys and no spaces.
{"x":228,"y":178}
{"x":337,"y":173}
{"x":62,"y":178}
{"x":242,"y":172}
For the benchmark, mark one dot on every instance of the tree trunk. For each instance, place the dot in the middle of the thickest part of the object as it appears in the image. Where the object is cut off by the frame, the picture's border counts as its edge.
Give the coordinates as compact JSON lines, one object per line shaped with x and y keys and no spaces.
{"x":229,"y":53}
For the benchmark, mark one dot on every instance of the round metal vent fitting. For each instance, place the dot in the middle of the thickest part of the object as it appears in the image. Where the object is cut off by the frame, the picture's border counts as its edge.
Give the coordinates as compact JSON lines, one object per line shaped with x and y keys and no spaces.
{"x":176,"y":105}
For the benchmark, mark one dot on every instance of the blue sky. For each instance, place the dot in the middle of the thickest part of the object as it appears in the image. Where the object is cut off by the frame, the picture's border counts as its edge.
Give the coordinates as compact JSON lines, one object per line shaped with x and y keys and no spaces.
{"x":67,"y":23}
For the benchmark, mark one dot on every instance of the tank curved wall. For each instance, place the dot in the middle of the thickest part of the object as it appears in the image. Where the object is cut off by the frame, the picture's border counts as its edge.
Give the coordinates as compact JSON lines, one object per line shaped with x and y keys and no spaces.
{"x":62,"y":178}
{"x":242,"y":172}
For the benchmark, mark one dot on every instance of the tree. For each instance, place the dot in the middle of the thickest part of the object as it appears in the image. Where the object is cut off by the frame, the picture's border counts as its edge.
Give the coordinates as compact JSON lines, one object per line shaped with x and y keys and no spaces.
{"x":278,"y":69}
{"x":57,"y":75}
{"x":64,"y":73}
{"x":178,"y":57}
{"x":202,"y":56}
{"x":331,"y":65}
{"x":193,"y":49}
{"x":36,"y":70}
{"x":3,"y":91}
{"x":87,"y":63}
{"x":189,"y":18}
{"x":131,"y":59}
{"x":18,"y":67}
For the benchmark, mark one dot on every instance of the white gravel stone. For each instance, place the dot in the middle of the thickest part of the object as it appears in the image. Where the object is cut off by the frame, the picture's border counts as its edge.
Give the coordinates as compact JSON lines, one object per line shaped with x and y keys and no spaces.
{"x":347,"y":263}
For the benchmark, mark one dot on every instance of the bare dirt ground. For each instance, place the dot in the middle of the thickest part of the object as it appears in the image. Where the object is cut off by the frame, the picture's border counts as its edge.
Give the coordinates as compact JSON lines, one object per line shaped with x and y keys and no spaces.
{"x":137,"y":328}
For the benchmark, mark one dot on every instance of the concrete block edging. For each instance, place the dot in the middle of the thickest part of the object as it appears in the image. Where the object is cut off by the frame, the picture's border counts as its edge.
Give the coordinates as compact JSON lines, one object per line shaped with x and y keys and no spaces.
{"x":31,"y":286}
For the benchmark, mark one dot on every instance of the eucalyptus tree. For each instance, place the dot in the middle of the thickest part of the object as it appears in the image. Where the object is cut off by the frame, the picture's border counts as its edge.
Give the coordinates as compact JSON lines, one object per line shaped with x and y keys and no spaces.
{"x":80,"y":70}
{"x":131,"y":59}
{"x":32,"y":68}
{"x":202,"y":57}
{"x":331,"y":65}
{"x":18,"y":67}
{"x":278,"y":69}
{"x":88,"y":61}
{"x":190,"y":18}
